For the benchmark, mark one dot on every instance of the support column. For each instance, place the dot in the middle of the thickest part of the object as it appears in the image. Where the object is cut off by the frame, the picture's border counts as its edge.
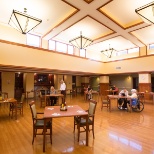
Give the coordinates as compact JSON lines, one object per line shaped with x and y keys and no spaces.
{"x":145,"y":84}
{"x":84,"y":83}
{"x":104,"y":84}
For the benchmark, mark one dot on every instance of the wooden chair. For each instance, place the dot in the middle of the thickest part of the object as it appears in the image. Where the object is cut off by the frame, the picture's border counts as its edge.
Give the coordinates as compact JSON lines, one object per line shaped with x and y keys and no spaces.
{"x":18,"y":105}
{"x":105,"y":101}
{"x":42,"y":100}
{"x":38,"y":123}
{"x":141,"y":96}
{"x":80,"y":121}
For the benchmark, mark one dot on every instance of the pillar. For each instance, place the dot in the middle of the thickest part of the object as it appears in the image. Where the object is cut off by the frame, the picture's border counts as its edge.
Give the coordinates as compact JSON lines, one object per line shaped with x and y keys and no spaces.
{"x":104,"y":84}
{"x":145,"y":84}
{"x":84,"y":83}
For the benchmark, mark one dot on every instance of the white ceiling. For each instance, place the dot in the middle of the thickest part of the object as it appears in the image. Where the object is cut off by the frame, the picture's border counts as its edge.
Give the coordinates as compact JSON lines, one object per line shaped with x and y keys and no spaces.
{"x":113,"y":22}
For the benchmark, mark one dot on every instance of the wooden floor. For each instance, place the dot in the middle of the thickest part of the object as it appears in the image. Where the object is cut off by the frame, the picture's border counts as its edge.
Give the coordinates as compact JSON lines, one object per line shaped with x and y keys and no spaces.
{"x":116,"y":132}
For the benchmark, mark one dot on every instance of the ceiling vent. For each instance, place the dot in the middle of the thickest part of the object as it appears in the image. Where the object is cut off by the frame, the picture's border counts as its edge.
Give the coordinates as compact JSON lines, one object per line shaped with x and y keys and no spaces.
{"x":118,"y":68}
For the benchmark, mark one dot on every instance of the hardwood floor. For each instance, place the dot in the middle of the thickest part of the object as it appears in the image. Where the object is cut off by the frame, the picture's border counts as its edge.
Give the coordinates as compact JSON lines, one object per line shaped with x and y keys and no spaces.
{"x":116,"y":132}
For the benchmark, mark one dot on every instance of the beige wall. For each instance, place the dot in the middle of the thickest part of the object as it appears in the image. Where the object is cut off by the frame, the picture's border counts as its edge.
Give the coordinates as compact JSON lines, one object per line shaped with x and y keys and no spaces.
{"x":8,"y":83}
{"x":23,"y":56}
{"x":122,"y":81}
{"x":29,"y":83}
{"x":68,"y":82}
{"x":132,"y":65}
{"x":30,"y":57}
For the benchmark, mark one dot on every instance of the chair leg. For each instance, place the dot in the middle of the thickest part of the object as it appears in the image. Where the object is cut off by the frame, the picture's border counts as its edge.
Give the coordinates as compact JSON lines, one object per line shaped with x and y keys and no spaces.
{"x":74,"y":124}
{"x":33,"y":135}
{"x":51,"y":134}
{"x":93,"y":130}
{"x":78,"y":133}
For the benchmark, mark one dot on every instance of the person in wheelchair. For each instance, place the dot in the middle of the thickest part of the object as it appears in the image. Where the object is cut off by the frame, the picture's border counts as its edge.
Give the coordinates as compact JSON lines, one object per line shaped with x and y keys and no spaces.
{"x":134,"y":98}
{"x":123,"y":101}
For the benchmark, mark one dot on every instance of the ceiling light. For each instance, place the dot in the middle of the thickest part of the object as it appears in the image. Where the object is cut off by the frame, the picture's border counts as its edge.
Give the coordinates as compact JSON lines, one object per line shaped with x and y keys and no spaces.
{"x":23,"y":22}
{"x":146,"y":12}
{"x":108,"y":52}
{"x":81,"y":42}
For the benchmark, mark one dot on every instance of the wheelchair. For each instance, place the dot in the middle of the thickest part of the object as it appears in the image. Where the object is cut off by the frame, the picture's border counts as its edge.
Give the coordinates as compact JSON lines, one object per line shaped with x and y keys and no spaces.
{"x":136,"y":105}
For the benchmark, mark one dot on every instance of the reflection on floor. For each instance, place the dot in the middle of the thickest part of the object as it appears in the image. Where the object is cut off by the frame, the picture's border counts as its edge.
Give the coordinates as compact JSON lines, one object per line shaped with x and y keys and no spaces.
{"x":116,"y":132}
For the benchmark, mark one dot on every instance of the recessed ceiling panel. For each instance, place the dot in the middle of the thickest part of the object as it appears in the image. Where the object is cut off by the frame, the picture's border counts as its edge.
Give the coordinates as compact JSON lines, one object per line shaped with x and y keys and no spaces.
{"x":88,"y":26}
{"x":118,"y":43}
{"x":123,"y":12}
{"x":145,"y":35}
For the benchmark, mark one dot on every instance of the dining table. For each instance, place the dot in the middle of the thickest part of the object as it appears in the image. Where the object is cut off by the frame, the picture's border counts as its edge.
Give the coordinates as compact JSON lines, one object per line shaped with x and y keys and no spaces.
{"x":116,"y":97}
{"x":12,"y":101}
{"x":51,"y":112}
{"x":54,"y":95}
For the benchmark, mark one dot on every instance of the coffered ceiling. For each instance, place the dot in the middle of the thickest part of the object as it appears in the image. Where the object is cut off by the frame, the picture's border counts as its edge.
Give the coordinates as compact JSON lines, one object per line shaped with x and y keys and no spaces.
{"x":113,"y":22}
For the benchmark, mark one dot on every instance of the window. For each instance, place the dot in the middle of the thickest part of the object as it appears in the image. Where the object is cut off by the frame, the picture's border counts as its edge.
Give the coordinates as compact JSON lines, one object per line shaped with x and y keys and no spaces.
{"x":70,"y":49}
{"x":82,"y":52}
{"x":61,"y":47}
{"x":33,"y":40}
{"x":52,"y":45}
{"x":151,"y":46}
{"x":123,"y":52}
{"x":133,"y":50}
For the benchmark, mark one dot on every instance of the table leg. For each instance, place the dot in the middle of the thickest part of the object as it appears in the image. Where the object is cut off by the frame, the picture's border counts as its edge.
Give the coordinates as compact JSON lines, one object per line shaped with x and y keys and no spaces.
{"x":45,"y":100}
{"x":110,"y":105}
{"x":87,"y":130}
{"x":16,"y":110}
{"x":44,"y":135}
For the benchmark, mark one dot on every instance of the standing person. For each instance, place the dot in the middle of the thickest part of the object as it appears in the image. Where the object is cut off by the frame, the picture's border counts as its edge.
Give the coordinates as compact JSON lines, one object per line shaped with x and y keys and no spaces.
{"x":123,"y":101}
{"x":63,"y":88}
{"x":53,"y":99}
{"x":89,"y":92}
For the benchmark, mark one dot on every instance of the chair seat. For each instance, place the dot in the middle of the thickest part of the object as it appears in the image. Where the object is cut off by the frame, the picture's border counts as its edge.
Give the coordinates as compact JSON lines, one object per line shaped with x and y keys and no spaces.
{"x":105,"y":102}
{"x":83,"y":121}
{"x":40,"y":123}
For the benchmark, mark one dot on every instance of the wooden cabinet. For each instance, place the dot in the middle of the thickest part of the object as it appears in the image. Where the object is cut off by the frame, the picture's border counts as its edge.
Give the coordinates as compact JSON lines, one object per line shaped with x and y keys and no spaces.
{"x":43,"y":82}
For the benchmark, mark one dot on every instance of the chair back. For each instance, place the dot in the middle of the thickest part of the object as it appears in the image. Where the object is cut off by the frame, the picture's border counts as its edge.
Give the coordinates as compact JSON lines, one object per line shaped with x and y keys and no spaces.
{"x":22,"y":97}
{"x":40,"y":94}
{"x":92,"y":107}
{"x":33,"y":109}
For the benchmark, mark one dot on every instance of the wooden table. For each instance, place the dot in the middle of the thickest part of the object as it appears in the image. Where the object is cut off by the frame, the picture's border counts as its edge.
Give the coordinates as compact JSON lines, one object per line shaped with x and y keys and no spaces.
{"x":116,"y":97}
{"x":93,"y":93}
{"x":54,"y":112}
{"x":111,"y":91}
{"x":11,"y":101}
{"x":54,"y":95}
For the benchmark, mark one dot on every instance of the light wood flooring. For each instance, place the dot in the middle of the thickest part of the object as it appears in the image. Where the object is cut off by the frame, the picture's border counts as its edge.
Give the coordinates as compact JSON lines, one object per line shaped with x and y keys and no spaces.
{"x":116,"y":132}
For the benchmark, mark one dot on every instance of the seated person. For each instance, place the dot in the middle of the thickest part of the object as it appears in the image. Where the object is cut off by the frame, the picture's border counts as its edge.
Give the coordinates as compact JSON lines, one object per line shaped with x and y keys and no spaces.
{"x":134,"y":97}
{"x":89,"y":92}
{"x":123,"y":101}
{"x":53,"y":99}
{"x":114,"y":90}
